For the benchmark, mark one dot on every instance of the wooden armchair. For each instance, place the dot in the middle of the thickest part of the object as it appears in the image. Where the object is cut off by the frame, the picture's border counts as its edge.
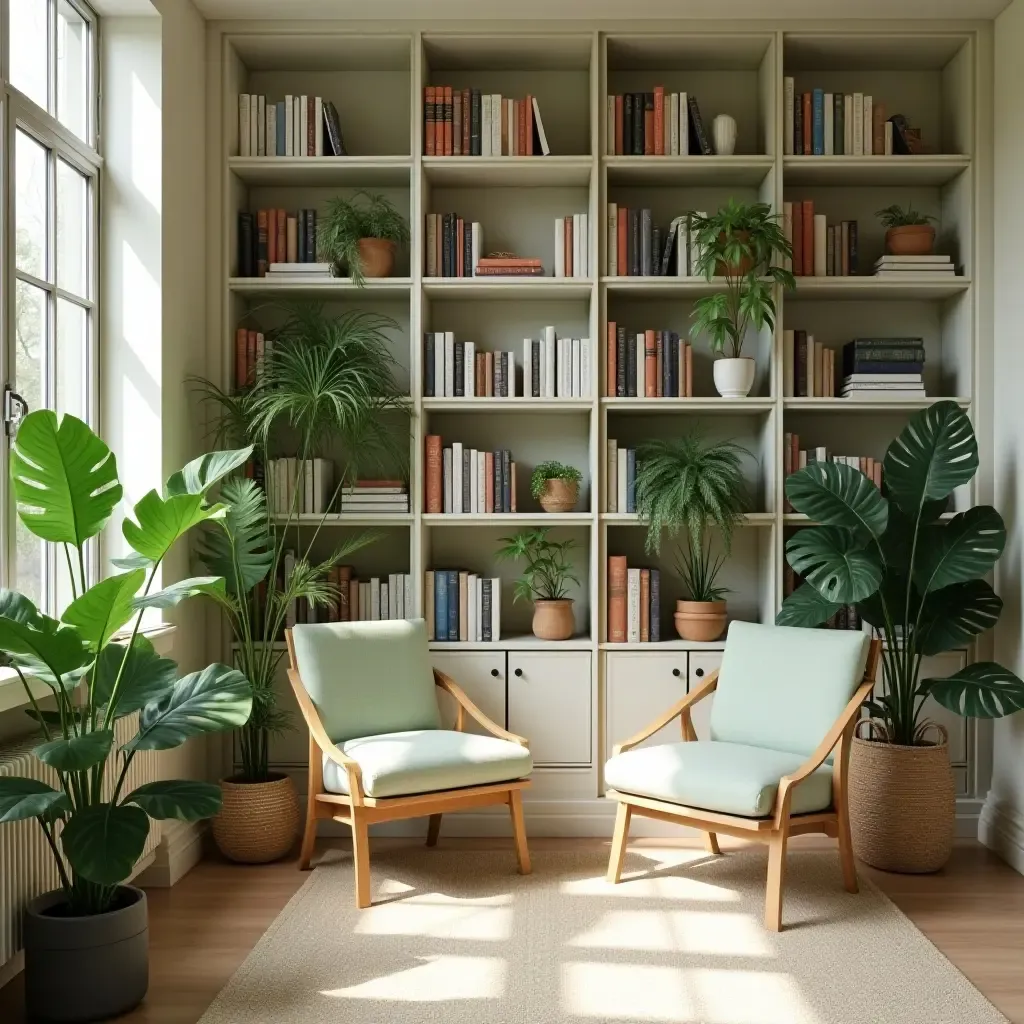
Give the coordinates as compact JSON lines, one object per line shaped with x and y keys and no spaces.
{"x":369,"y":684}
{"x":765,"y":774}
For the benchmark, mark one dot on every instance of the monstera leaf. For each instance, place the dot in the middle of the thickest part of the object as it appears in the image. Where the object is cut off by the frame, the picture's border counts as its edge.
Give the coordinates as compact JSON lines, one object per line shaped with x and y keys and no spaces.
{"x":836,"y":563}
{"x":981,"y":690}
{"x":806,"y":607}
{"x":202,"y":473}
{"x":160,"y":522}
{"x":183,"y":799}
{"x":146,"y":676}
{"x":64,"y":478}
{"x":963,"y":549}
{"x":104,"y":841}
{"x":103,"y":609}
{"x":835,"y":494}
{"x":951,"y":616}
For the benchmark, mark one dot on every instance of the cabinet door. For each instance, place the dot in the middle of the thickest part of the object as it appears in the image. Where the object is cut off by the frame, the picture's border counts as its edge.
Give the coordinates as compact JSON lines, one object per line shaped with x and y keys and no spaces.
{"x":482,"y":676}
{"x":702,"y":664}
{"x":639,"y":687}
{"x":549,"y":702}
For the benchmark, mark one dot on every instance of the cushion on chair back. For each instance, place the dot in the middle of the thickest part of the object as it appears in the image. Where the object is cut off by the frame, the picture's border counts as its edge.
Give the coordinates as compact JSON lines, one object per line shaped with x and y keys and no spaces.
{"x":368,"y":678}
{"x":783,"y":688}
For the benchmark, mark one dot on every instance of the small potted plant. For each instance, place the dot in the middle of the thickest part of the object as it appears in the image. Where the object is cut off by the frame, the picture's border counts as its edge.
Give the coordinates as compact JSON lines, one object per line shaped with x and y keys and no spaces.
{"x":691,"y":485}
{"x":556,"y":486}
{"x":908,"y":233}
{"x":361,"y":235}
{"x":742,"y":243}
{"x":545,"y":580}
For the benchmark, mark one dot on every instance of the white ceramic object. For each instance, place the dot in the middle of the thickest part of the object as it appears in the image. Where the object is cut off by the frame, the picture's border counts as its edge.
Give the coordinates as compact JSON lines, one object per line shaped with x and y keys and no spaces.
{"x":734,"y":377}
{"x":723,"y":129}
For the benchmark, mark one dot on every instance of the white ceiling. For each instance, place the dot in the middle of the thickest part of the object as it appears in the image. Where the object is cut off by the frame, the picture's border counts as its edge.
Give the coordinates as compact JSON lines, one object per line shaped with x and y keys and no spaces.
{"x":598,"y":9}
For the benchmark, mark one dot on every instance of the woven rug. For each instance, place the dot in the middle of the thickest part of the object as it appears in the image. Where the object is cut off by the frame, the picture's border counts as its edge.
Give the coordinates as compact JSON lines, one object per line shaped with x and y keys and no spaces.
{"x":456,"y":936}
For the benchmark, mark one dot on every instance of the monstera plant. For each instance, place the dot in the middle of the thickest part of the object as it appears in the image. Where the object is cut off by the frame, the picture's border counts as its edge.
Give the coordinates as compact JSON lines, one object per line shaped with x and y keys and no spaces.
{"x":65,"y":483}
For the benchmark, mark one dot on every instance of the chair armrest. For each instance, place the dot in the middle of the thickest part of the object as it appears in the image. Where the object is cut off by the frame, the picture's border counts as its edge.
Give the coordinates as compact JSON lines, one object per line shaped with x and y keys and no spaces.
{"x":708,"y":686}
{"x":449,"y":685}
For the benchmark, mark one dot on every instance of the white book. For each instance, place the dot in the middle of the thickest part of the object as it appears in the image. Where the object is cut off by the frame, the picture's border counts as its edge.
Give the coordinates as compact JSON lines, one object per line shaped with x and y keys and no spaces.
{"x":510,"y":375}
{"x":820,"y":245}
{"x":858,"y":124}
{"x":673,"y":117}
{"x":375,"y":599}
{"x":684,"y":125}
{"x":383,"y":597}
{"x":244,"y":135}
{"x":400,"y":601}
{"x":882,"y":378}
{"x":471,"y":610}
{"x":869,"y":128}
{"x":485,"y":124}
{"x":890,"y":258}
{"x":575,"y":391}
{"x":585,"y":368}
{"x":294,"y":482}
{"x":609,"y":126}
{"x":576,"y":229}
{"x":683,"y":247}
{"x":457,"y":477}
{"x":621,"y":479}
{"x":496,"y":124}
{"x":364,"y":601}
{"x":549,"y":359}
{"x":848,"y":124}
{"x":410,"y":604}
{"x":560,"y":367}
{"x":474,"y":500}
{"x":254,"y":128}
{"x":446,"y":475}
{"x":303,"y":126}
{"x":261,"y":126}
{"x":272,"y":130}
{"x":391,"y":598}
{"x":788,"y":349}
{"x":527,"y":368}
{"x":478,"y":245}
{"x":469,"y":370}
{"x":542,"y":369}
{"x":613,"y":249}
{"x":496,"y":598}
{"x":289,"y":126}
{"x":641,"y":365}
{"x":538,"y":127}
{"x":559,"y":247}
{"x":888,"y":395}
{"x":290,"y":269}
{"x":830,"y":124}
{"x":633,"y":606}
{"x":439,"y":367}
{"x":318,"y":113}
{"x":581,"y":265}
{"x":298,"y":149}
{"x":449,"y":364}
{"x":611,"y":498}
{"x":789,"y":96}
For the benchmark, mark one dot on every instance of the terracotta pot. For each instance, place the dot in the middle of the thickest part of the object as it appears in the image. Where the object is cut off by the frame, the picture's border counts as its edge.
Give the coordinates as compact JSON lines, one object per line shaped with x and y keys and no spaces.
{"x":559,"y":496}
{"x":259,"y":821}
{"x":734,"y":377}
{"x":910,"y":240}
{"x":902,"y":804}
{"x":702,"y":621}
{"x":744,"y":266}
{"x":378,"y":256}
{"x":552,"y":620}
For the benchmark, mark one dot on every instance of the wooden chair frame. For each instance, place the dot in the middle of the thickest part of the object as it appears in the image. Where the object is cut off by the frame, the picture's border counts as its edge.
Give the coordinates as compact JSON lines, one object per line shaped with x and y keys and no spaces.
{"x":774,"y":830}
{"x":359,"y":811}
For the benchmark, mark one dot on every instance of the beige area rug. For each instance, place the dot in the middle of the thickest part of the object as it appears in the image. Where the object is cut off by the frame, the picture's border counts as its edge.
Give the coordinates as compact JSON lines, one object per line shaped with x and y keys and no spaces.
{"x":457,"y":937}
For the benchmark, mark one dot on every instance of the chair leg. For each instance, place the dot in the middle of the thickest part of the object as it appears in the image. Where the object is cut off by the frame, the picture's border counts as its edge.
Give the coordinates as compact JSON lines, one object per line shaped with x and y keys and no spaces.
{"x":308,"y":835}
{"x":515,"y":806}
{"x":619,"y":839}
{"x":433,"y":829}
{"x":846,"y":860}
{"x":711,"y":843}
{"x":361,"y":859}
{"x":776,"y":880}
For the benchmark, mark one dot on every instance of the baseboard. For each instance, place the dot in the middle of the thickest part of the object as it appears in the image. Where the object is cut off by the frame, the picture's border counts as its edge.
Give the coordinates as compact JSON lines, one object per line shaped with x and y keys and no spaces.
{"x":179,"y":850}
{"x":12,"y":968}
{"x":1001,"y":829}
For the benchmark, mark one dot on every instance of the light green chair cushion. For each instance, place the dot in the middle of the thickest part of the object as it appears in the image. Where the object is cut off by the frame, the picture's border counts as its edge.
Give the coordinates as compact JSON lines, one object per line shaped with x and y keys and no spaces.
{"x":728,"y":777}
{"x":367,"y":678}
{"x":783,"y":688}
{"x":425,"y":761}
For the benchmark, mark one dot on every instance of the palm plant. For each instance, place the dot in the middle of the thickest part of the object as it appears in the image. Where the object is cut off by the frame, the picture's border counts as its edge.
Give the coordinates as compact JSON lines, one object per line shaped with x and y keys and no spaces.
{"x":327,"y":380}
{"x":346,"y":221}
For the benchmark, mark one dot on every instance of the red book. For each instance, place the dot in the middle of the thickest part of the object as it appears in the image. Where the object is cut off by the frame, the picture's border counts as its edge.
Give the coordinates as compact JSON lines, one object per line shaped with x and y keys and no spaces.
{"x":618,"y":125}
{"x":241,"y":356}
{"x":261,"y":243}
{"x":457,"y":123}
{"x":807,"y":224}
{"x":611,"y":367}
{"x":282,"y":236}
{"x":428,"y":120}
{"x":448,"y":117}
{"x":272,"y":236}
{"x":659,"y":120}
{"x":808,"y":126}
{"x":250,"y":357}
{"x":798,"y":239}
{"x":617,"y":599}
{"x":650,"y":365}
{"x":433,"y":470}
{"x":438,"y":120}
{"x":621,"y":236}
{"x":521,"y":123}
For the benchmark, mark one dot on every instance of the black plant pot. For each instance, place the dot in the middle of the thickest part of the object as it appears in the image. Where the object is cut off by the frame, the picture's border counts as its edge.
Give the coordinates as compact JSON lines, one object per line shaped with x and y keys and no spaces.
{"x":80,"y":969}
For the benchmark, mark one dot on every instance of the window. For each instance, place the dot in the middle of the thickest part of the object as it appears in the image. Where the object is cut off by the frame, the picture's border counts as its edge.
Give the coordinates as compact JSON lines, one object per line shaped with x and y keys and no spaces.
{"x":49,"y":179}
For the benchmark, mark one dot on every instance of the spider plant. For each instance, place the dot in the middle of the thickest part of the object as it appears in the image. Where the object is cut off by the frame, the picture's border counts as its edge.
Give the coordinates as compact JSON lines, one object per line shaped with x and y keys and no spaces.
{"x":346,"y":221}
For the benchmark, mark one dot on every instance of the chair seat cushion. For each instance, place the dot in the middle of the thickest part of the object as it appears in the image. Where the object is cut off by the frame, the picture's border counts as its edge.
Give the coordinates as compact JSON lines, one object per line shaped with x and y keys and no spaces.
{"x":731,"y":778}
{"x":428,"y":760}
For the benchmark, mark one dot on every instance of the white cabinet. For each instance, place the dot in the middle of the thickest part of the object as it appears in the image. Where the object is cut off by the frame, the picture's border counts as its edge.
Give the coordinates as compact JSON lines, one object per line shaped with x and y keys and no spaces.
{"x":482,"y":676}
{"x":639,"y":687}
{"x":702,"y":664}
{"x":549,"y":702}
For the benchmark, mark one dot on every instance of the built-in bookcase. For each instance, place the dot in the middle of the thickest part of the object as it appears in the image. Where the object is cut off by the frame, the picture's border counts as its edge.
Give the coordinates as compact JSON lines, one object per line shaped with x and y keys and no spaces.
{"x":376,"y":81}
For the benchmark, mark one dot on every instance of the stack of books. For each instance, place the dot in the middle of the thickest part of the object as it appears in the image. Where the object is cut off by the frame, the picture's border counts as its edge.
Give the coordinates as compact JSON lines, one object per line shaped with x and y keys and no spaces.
{"x":648,"y":364}
{"x":454,"y":245}
{"x":251,"y":349}
{"x":368,"y":497}
{"x":883,"y":368}
{"x":280,"y":239}
{"x":572,"y":243}
{"x":655,"y":124}
{"x":556,"y":367}
{"x":508,"y":266}
{"x":466,"y":122}
{"x":297,"y":487}
{"x":462,"y":607}
{"x":846,"y":618}
{"x":455,"y":369}
{"x":621,"y":495}
{"x":808,"y":367}
{"x":928,"y":266}
{"x":299,"y":273}
{"x":819,"y":249}
{"x":294,"y":126}
{"x":461,"y":481}
{"x":634,"y":603}
{"x":819,"y":123}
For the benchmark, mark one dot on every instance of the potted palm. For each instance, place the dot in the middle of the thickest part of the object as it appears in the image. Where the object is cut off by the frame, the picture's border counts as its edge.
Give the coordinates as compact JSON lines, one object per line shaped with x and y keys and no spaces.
{"x":327,"y":381}
{"x":695,"y":487}
{"x":545,"y":580}
{"x":86,"y":946}
{"x":361,"y":235}
{"x":918,"y":580}
{"x":556,"y":486}
{"x":907,"y":232}
{"x":743,"y":244}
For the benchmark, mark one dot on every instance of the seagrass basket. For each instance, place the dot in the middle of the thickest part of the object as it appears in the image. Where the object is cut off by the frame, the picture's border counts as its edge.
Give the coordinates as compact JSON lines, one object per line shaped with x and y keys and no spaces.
{"x":259,"y":821}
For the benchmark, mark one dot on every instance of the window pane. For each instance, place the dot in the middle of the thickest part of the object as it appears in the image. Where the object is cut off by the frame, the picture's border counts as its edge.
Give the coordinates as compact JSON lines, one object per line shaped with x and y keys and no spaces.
{"x":72,"y":69}
{"x":72,"y":230}
{"x":72,"y":365}
{"x":28,"y":566}
{"x":29,"y":50}
{"x":30,"y":205}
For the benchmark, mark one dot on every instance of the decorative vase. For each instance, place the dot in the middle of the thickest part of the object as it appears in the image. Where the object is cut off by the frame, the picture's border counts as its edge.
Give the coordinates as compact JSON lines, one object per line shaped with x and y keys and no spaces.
{"x":553,"y":620}
{"x":910,"y":240}
{"x":723,"y":130}
{"x":559,"y":495}
{"x":259,"y":821}
{"x":902,"y":803}
{"x":377,"y":256}
{"x":734,"y":377}
{"x":701,"y":621}
{"x":81,"y":969}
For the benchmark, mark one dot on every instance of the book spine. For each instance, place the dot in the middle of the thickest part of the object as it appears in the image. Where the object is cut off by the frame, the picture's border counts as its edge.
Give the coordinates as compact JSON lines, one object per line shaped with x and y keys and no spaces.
{"x":655,"y":609}
{"x":650,"y":365}
{"x":433,"y":488}
{"x":808,"y":121}
{"x":633,"y":605}
{"x":506,"y":481}
{"x":262,"y":219}
{"x":621,"y":360}
{"x":659,"y":120}
{"x":818,"y":115}
{"x":645,"y":606}
{"x":698,"y":126}
{"x":853,"y":254}
{"x":807,"y":226}
{"x":631,"y":481}
{"x":617,"y":575}
{"x":440,"y":579}
{"x":485,"y":610}
{"x":610,"y":370}
{"x":631,"y":366}
{"x":428,"y":120}
{"x":788,"y":91}
{"x":453,"y":604}
{"x":798,"y":125}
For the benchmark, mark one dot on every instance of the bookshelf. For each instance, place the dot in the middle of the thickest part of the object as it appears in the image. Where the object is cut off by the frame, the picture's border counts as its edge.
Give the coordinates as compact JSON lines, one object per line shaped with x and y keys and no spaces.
{"x":376,"y":79}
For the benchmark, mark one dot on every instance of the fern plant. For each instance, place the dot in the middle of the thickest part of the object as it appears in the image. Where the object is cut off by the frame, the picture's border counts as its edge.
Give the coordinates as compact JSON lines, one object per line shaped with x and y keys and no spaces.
{"x":548,"y":571}
{"x":346,"y":221}
{"x":552,"y":471}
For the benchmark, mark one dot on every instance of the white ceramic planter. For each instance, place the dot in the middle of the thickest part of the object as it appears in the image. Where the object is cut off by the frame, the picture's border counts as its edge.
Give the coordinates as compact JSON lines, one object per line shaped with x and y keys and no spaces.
{"x":734,"y":377}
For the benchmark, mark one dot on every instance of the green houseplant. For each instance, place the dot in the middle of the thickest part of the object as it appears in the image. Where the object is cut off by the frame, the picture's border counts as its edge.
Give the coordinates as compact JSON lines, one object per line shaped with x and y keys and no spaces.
{"x":361,"y":235}
{"x":908,"y":233}
{"x":328,"y":381}
{"x":695,"y":487}
{"x":556,"y":486}
{"x":918,"y":580}
{"x":65,"y":483}
{"x":545,"y":580}
{"x":744,"y":244}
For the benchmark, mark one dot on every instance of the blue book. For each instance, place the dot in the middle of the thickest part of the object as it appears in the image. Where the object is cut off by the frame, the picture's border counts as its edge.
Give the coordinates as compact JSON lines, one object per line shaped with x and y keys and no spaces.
{"x":440,"y":604}
{"x":280,"y":128}
{"x":630,"y":479}
{"x":453,"y":604}
{"x":818,"y":116}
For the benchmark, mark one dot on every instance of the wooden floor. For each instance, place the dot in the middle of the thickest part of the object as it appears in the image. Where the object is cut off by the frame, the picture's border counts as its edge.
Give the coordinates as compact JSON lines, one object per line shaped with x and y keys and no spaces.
{"x":203,"y":928}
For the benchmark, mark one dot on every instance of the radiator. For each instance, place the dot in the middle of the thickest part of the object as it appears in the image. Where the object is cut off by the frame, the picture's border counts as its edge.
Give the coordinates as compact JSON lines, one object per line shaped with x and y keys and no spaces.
{"x":26,"y":863}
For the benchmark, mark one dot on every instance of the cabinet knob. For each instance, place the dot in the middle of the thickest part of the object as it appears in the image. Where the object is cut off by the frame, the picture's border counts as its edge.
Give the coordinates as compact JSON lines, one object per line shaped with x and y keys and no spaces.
{"x":495,"y":673}
{"x":675,"y":672}
{"x":699,"y":673}
{"x":518,"y":672}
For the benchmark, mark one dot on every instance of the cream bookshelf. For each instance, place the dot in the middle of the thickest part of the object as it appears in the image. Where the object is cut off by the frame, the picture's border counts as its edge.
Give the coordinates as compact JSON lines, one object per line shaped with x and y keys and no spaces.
{"x":598,"y":691}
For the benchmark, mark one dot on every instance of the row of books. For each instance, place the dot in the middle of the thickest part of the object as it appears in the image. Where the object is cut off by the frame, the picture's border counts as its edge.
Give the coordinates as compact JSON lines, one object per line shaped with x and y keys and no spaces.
{"x":621,"y":487}
{"x":271,"y":237}
{"x":298,"y":486}
{"x":251,"y":349}
{"x":648,"y":364}
{"x":846,"y":618}
{"x":639,"y":248}
{"x":819,"y":123}
{"x":819,"y":250}
{"x":808,"y":367}
{"x":462,"y":607}
{"x":794,"y":457}
{"x":655,"y":124}
{"x":455,"y":369}
{"x":464,"y":481}
{"x":572,"y":243}
{"x":634,"y":603}
{"x":294,"y":126}
{"x":356,"y":600}
{"x":466,"y":122}
{"x":898,"y":266}
{"x":454,"y":245}
{"x":885,"y":368}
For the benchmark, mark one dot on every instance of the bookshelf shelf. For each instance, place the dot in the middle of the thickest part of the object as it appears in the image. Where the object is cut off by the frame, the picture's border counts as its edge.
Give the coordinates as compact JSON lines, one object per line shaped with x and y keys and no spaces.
{"x":334,"y":519}
{"x":668,"y":287}
{"x":504,"y":171}
{"x":913,"y":287}
{"x":859,"y":171}
{"x":512,"y":519}
{"x":507,"y":288}
{"x":689,"y":171}
{"x":840,"y":406}
{"x":664,"y":646}
{"x":714,"y":406}
{"x":516,"y":643}
{"x":631,"y":519}
{"x":376,"y":286}
{"x":497,"y":406}
{"x":321,"y":171}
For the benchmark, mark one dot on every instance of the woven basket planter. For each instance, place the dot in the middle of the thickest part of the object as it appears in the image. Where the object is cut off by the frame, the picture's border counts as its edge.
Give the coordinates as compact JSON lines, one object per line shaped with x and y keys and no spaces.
{"x":559,"y":495}
{"x":902,"y":803}
{"x":259,"y":821}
